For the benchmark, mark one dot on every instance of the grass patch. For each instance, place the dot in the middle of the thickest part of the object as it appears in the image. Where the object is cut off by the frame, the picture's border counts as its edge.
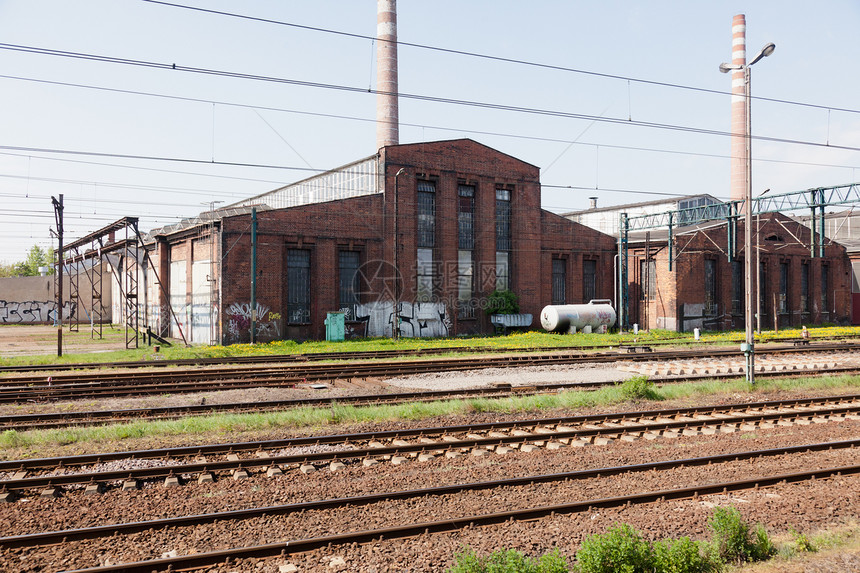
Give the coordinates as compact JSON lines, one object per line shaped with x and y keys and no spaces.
{"x":528,"y":340}
{"x":304,"y":418}
{"x":639,"y":388}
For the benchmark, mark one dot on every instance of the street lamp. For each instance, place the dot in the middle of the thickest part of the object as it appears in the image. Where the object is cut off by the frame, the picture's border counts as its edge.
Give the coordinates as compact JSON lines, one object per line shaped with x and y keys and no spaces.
{"x":748,"y":346}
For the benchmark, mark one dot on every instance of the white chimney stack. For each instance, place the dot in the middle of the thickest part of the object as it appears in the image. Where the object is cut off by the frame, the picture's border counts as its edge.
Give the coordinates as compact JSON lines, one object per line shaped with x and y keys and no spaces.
{"x":739,"y":110}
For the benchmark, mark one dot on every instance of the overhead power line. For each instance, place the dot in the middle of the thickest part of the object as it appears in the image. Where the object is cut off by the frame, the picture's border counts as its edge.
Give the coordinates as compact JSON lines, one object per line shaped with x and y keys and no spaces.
{"x":374,"y":120}
{"x":490,"y":57}
{"x":417,"y":97}
{"x":155,"y":158}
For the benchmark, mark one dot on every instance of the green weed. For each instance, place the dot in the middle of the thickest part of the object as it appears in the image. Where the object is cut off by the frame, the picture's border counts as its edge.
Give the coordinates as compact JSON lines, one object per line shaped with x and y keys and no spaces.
{"x":732,"y":540}
{"x":508,"y":561}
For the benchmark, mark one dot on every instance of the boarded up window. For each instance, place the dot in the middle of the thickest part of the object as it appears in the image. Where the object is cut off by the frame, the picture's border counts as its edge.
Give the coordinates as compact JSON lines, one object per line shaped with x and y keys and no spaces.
{"x":737,"y":288}
{"x":465,"y":268}
{"x":425,"y":275}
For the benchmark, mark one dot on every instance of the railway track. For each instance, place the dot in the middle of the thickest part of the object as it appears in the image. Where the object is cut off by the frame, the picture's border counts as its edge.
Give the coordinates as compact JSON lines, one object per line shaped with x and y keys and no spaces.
{"x":411,"y":530}
{"x":66,"y":535}
{"x":48,"y":420}
{"x":305,"y":454}
{"x":367,"y":355}
{"x":21,"y":388}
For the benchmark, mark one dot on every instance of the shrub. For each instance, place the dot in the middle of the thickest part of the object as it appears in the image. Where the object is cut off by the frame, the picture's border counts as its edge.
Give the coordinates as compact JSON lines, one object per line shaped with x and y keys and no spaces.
{"x":682,"y":556}
{"x":503,"y":302}
{"x":508,"y":561}
{"x":619,"y":550}
{"x":763,"y":547}
{"x":639,"y":388}
{"x":732,"y":540}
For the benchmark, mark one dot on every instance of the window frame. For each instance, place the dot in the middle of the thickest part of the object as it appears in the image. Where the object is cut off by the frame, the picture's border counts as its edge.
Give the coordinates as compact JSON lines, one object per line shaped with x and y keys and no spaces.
{"x":352,"y":289}
{"x":590,"y":278}
{"x":296,"y":273}
{"x":558,"y":289}
{"x":711,"y":290}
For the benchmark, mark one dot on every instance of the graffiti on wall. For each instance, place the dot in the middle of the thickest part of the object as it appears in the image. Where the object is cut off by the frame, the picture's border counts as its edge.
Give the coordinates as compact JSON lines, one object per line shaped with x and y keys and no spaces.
{"x":417,"y":320}
{"x":266,"y":327}
{"x":33,"y":311}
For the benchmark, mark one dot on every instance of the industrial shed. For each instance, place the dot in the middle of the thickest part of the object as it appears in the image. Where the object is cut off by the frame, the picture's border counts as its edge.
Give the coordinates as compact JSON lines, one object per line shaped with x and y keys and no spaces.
{"x":416,"y":236}
{"x":704,"y":289}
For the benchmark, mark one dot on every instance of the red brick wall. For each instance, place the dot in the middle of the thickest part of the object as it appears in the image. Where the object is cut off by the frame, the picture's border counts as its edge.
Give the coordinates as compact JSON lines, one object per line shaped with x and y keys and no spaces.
{"x":450,"y":163}
{"x":323,"y":229}
{"x":367,"y":224}
{"x":685,"y":284}
{"x":572,"y":242}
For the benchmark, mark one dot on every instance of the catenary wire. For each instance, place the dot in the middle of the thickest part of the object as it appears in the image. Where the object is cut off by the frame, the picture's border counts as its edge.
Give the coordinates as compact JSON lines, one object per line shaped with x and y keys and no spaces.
{"x":417,"y":97}
{"x":493,"y":58}
{"x":402,"y":124}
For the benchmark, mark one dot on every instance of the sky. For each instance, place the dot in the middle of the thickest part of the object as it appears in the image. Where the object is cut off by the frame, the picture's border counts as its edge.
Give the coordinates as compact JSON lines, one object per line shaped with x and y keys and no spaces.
{"x":572,"y":82}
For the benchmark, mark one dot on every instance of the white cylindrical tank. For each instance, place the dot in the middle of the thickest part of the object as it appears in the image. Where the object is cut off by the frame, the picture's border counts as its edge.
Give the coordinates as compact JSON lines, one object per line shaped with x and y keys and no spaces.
{"x":597,"y":314}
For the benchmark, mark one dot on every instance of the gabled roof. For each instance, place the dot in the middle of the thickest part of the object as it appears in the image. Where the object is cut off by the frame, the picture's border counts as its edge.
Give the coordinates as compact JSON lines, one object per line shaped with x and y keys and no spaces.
{"x":464,"y":142}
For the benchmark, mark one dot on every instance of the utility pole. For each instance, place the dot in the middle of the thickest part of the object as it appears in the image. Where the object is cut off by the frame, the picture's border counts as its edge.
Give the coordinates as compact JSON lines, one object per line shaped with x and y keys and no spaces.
{"x":58,"y":217}
{"x":253,"y":272}
{"x":395,"y":328}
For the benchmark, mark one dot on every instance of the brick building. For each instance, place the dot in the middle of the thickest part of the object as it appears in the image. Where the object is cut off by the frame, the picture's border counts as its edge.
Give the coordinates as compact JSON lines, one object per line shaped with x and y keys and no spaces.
{"x":706,"y":290}
{"x":417,"y":235}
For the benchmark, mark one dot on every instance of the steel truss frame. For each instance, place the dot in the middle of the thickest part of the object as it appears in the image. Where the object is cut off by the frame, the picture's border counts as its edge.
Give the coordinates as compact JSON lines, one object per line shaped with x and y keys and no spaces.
{"x":125,"y":273}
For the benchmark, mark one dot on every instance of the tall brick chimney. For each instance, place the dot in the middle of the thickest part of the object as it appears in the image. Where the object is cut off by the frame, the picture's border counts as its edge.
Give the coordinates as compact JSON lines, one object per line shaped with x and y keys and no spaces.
{"x":739,"y":110}
{"x":387,"y":116}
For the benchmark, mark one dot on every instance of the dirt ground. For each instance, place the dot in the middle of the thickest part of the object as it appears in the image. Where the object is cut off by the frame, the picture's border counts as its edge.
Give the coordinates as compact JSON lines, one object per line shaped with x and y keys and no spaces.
{"x":26,"y":339}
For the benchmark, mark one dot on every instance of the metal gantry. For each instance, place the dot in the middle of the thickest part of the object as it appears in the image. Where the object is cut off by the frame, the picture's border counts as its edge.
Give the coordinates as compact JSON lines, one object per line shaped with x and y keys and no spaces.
{"x":815,"y":200}
{"x":91,"y":251}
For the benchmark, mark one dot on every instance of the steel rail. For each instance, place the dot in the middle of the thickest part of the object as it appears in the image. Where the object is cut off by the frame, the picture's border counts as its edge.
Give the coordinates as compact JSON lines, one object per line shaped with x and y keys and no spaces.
{"x":68,"y":387}
{"x":234,"y":447}
{"x":208,"y":466}
{"x":48,"y":420}
{"x":45,"y":394}
{"x":367,"y":354}
{"x":66,"y":535}
{"x":188,"y":562}
{"x":65,"y":419}
{"x":370,"y":368}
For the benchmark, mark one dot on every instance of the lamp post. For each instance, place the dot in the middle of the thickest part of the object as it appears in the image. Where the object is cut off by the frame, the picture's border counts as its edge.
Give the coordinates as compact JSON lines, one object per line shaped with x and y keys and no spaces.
{"x":748,"y":346}
{"x":395,"y":328}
